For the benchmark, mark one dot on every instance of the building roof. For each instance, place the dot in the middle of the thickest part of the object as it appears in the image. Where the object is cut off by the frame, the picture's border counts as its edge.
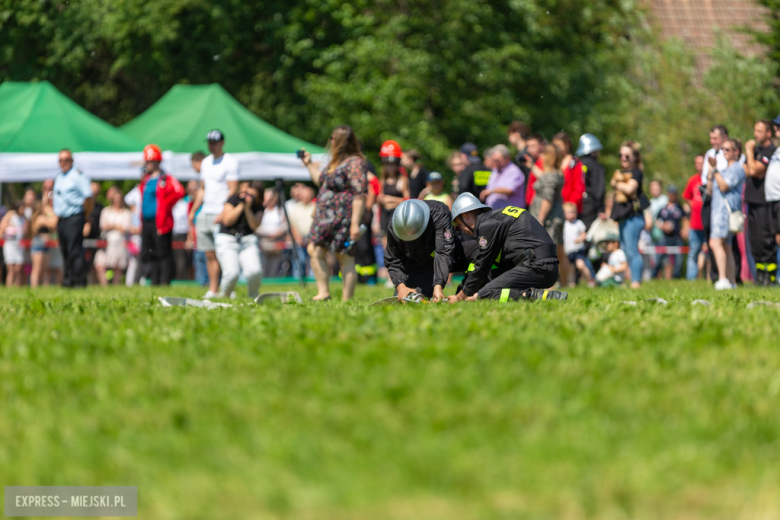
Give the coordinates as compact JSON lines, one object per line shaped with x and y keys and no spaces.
{"x":697,"y":22}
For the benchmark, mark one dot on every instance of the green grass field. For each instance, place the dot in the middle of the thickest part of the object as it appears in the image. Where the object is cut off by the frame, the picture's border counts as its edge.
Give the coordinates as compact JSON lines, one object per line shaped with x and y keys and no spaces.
{"x":589,"y":409}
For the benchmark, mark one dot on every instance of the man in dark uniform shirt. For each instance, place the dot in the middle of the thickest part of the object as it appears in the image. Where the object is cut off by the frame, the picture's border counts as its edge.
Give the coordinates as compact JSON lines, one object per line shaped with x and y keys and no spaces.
{"x":422,"y":248}
{"x":515,"y":258}
{"x":474,"y":178}
{"x":595,"y":185}
{"x":762,"y":215}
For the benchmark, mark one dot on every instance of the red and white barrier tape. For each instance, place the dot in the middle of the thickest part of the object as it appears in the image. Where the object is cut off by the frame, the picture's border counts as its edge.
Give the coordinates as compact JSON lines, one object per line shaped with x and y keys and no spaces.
{"x":92,"y":243}
{"x":664,"y":250}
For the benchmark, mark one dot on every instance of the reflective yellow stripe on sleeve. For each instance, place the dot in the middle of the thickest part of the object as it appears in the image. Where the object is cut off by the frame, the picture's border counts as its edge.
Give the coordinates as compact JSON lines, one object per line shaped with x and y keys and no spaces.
{"x":760,"y":267}
{"x":544,"y":295}
{"x":771,"y":267}
{"x":471,"y":268}
{"x":504,"y":296}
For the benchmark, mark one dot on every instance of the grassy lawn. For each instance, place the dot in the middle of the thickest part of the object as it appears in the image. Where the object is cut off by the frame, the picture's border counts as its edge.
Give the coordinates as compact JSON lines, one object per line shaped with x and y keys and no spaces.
{"x":589,"y":409}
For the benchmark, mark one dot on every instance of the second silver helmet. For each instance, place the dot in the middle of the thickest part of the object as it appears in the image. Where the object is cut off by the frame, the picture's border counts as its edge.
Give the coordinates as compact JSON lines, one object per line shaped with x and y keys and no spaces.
{"x":464,"y":203}
{"x":589,"y":143}
{"x":410,"y":219}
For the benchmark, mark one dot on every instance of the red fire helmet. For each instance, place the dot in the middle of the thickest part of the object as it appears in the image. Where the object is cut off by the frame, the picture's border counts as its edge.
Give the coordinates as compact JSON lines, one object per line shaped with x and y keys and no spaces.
{"x":152,"y":152}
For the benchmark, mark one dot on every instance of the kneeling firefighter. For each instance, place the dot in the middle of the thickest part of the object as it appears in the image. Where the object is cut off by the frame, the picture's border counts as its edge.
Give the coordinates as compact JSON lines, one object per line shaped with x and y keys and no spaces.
{"x":422,"y":248}
{"x":513,"y":258}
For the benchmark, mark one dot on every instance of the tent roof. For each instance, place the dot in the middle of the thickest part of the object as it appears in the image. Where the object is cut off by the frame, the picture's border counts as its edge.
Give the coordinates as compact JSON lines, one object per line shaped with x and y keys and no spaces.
{"x":38,"y":118}
{"x":180,"y":120}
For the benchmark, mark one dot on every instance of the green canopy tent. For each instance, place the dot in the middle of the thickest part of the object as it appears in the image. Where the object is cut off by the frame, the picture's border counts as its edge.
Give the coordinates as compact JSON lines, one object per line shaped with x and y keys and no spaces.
{"x":179,"y":121}
{"x":38,"y":121}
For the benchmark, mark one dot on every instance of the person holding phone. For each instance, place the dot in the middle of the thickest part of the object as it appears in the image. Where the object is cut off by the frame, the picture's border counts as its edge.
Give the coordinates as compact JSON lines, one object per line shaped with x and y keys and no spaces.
{"x":236,"y":245}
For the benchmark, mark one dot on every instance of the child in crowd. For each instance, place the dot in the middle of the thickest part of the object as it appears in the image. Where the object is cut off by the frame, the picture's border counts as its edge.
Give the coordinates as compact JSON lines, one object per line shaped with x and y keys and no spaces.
{"x":574,"y":233}
{"x":435,"y":185}
{"x":612,"y":273}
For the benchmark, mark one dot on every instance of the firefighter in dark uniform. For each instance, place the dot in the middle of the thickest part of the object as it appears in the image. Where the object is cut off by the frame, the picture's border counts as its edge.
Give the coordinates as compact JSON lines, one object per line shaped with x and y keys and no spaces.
{"x":474,"y":178}
{"x":514,"y":257}
{"x":422,"y":248}
{"x":595,"y":184}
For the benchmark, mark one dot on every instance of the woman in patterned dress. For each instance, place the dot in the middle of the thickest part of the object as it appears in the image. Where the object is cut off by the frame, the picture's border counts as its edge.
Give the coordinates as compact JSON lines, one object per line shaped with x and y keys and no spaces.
{"x":341,"y":200}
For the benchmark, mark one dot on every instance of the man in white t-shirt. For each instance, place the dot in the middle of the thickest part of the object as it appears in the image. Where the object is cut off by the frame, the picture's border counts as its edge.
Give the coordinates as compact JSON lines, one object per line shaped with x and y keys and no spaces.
{"x":219,"y":181}
{"x":772,"y":176}
{"x":719,"y":134}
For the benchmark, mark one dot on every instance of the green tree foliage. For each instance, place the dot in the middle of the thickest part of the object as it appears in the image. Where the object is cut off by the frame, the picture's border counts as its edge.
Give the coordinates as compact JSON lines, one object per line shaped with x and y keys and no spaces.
{"x":429,"y":73}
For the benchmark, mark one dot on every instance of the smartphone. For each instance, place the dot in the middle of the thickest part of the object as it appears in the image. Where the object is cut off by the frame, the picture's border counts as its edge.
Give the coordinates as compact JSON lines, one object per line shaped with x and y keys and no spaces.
{"x":299,"y":153}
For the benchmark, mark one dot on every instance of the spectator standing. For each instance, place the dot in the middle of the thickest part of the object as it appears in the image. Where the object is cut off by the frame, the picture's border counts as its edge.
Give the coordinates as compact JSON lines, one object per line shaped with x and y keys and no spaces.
{"x":573,"y":181}
{"x":134,"y":267}
{"x":547,"y":206}
{"x":457,"y":161}
{"x":588,"y":151}
{"x":55,"y":254}
{"x":236,"y":243}
{"x":693,"y":196}
{"x":669,"y":221}
{"x":772,"y":179}
{"x":658,"y":201}
{"x":92,"y":231}
{"x":517,"y":134}
{"x":300,"y":211}
{"x":574,"y":237}
{"x":42,"y":224}
{"x":219,"y":181}
{"x":340,"y":204}
{"x":435,"y":189}
{"x":28,"y":199}
{"x":182,"y":257}
{"x":762,"y":215}
{"x":115,"y":223}
{"x":198,"y":257}
{"x":13,"y":229}
{"x":272,"y":230}
{"x":475,"y":174}
{"x":726,"y":191}
{"x":628,"y":208}
{"x":533,"y":162}
{"x":418,"y":175}
{"x":506,"y":186}
{"x":159,"y":193}
{"x":72,"y":204}
{"x":394,"y":187}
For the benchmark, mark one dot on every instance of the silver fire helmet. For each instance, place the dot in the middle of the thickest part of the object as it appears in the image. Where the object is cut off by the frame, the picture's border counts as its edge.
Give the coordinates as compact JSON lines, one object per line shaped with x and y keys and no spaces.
{"x":464,"y":203}
{"x":410,"y":219}
{"x":589,"y":143}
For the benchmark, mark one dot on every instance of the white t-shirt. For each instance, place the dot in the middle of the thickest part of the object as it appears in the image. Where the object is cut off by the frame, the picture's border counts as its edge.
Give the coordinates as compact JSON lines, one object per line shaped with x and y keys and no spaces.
{"x":772,"y":179}
{"x":617,"y":258}
{"x":301,"y":216}
{"x":181,"y":217}
{"x":571,"y":232}
{"x":272,"y":223}
{"x":215,"y":178}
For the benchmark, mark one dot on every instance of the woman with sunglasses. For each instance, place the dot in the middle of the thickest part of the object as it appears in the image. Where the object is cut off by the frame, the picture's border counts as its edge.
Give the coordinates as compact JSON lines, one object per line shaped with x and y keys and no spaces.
{"x":630,"y":204}
{"x":341,"y":200}
{"x":725,"y":188}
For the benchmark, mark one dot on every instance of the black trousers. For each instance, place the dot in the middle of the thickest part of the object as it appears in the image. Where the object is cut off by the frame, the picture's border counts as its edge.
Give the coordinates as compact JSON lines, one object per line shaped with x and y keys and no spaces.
{"x":156,"y":254}
{"x":365,"y":258}
{"x":762,"y":228}
{"x":70,"y":231}
{"x":511,"y":284}
{"x":182,"y":259}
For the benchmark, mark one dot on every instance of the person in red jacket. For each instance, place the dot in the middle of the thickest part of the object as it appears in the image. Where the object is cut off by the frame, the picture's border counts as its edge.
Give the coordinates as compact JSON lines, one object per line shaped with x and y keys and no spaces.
{"x":573,"y":178}
{"x":159,"y":193}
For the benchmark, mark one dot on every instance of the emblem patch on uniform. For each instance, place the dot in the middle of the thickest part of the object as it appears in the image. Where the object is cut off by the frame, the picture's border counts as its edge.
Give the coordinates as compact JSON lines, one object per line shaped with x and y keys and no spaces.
{"x":483,"y":243}
{"x":448,"y":236}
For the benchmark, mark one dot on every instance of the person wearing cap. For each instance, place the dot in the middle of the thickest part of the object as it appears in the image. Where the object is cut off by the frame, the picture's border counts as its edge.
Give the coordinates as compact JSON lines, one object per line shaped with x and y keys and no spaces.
{"x":435,"y":188}
{"x":669,"y":221}
{"x":515,"y":257}
{"x":159,"y":193}
{"x":219,"y":182}
{"x":72,"y":204}
{"x":394,"y":187}
{"x":475,"y":175}
{"x":422,"y":248}
{"x":588,"y":151}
